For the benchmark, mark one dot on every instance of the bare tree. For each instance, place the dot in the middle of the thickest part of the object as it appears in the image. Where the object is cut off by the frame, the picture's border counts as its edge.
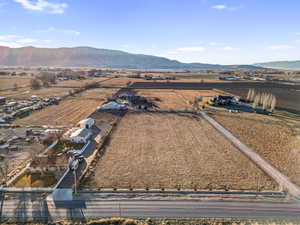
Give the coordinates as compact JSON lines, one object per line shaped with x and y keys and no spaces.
{"x":4,"y":170}
{"x":256,"y":101}
{"x":71,"y":93}
{"x":265,"y":101}
{"x":35,"y":150}
{"x":249,"y":94}
{"x":273,"y":103}
{"x":269,"y":99}
{"x":16,"y":86}
{"x":35,"y":84}
{"x":47,"y":77}
{"x":252,"y":95}
{"x":289,"y":75}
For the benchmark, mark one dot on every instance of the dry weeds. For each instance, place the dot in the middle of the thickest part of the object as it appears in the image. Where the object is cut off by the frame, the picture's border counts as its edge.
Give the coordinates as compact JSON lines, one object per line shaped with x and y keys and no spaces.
{"x":174,"y":151}
{"x":278,"y":144}
{"x":176,"y":99}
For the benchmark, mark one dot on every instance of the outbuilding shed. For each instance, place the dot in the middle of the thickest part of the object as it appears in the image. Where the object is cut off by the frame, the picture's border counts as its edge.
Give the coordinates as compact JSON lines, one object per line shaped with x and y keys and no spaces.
{"x":87,"y":123}
{"x":81,"y":135}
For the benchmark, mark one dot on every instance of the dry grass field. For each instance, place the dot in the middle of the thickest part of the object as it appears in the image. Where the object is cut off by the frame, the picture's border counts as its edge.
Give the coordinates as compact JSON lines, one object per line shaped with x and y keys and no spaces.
{"x":176,"y":99}
{"x":79,"y":83}
{"x":69,"y":111}
{"x":9,"y":82}
{"x":55,"y":90}
{"x":190,"y":95}
{"x":121,"y":81}
{"x":278,"y":144}
{"x":158,"y":150}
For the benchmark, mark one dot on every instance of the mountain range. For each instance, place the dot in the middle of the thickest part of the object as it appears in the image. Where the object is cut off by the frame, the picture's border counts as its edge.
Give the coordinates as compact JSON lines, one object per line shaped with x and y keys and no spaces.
{"x":288,"y":65}
{"x":104,"y":58}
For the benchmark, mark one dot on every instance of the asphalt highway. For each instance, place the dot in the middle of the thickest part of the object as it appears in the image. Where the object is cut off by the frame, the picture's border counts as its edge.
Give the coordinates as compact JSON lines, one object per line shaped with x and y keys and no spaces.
{"x":41,"y":208}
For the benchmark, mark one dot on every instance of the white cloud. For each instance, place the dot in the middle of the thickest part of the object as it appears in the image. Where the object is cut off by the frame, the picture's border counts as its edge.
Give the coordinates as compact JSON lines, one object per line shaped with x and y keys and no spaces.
{"x":8,"y":37}
{"x":219,"y":7}
{"x":191,"y":49}
{"x":225,"y":7}
{"x":64,"y":31}
{"x":43,"y":5}
{"x":10,"y":44}
{"x":216,"y":43}
{"x":16,"y":41}
{"x":26,"y":41}
{"x":229,"y":48}
{"x":297,"y":41}
{"x":298,"y":33}
{"x":279,"y":47}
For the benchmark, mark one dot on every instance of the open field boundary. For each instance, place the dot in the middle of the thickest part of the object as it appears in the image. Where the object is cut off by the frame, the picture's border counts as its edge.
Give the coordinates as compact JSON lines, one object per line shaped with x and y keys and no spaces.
{"x":262,"y":163}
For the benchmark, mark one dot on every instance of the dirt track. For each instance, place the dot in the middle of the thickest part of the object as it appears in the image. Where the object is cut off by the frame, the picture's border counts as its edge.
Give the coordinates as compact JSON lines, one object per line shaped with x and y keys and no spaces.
{"x":261,"y":162}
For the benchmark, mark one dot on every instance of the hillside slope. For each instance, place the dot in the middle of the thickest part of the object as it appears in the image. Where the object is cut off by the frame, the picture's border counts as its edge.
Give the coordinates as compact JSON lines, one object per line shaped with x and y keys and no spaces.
{"x":92,"y":57}
{"x":288,"y":65}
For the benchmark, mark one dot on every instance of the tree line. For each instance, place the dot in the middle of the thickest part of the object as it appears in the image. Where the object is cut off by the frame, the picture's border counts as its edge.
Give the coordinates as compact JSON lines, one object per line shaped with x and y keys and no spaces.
{"x":44,"y":79}
{"x":266,"y":101}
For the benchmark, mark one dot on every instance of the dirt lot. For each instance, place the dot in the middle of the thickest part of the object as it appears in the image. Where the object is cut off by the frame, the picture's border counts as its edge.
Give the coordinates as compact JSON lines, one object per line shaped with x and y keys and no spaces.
{"x":278,"y":144}
{"x":158,"y":150}
{"x":176,"y":99}
{"x":70,"y":110}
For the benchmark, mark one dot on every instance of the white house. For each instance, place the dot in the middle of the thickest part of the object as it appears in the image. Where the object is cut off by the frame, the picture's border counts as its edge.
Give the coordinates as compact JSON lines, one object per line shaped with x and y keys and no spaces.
{"x":86,"y":123}
{"x":81,"y":135}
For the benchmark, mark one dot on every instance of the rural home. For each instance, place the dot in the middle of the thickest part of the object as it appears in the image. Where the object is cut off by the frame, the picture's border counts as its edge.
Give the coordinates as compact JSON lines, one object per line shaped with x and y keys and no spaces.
{"x":223,"y":100}
{"x":113,"y":106}
{"x":81,"y":135}
{"x":86,"y":123}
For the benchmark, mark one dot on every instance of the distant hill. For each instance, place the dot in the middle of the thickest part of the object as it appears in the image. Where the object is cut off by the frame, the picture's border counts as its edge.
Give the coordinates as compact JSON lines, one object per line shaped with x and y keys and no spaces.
{"x":288,"y":65}
{"x":93,"y":57}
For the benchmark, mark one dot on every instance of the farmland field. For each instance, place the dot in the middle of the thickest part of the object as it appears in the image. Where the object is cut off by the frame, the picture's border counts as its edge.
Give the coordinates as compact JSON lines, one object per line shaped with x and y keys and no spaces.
{"x":79,"y":83}
{"x":278,"y":144}
{"x":158,"y":150}
{"x":9,"y":82}
{"x":176,"y":99}
{"x":59,"y":89}
{"x":121,"y":81}
{"x":69,"y":111}
{"x":287,"y":95}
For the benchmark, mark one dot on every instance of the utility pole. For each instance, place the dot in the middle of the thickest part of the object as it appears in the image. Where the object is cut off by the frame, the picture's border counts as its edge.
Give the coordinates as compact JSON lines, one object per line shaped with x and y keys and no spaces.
{"x":75,"y":182}
{"x":73,"y":166}
{"x":120,"y":214}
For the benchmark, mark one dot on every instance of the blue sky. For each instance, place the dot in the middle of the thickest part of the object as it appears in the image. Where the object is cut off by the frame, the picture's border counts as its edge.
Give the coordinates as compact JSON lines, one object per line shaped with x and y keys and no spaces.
{"x":207,"y":31}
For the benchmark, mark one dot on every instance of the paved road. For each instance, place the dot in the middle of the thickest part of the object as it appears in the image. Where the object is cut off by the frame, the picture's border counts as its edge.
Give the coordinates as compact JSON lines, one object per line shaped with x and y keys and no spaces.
{"x":36,"y":206}
{"x":263,"y":164}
